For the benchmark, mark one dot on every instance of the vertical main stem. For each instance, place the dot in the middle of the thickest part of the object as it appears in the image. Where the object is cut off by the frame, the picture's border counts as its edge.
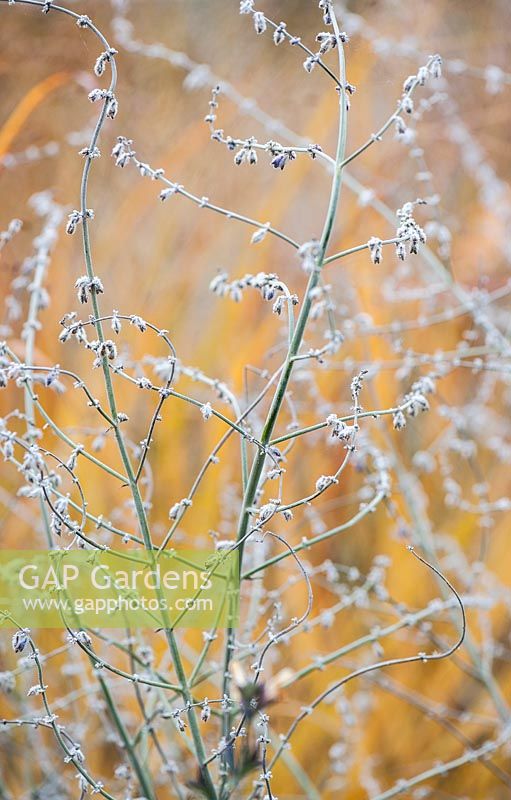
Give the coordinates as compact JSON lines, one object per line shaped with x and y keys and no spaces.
{"x":132,"y":481}
{"x":139,"y":770}
{"x":301,"y":324}
{"x":294,"y":347}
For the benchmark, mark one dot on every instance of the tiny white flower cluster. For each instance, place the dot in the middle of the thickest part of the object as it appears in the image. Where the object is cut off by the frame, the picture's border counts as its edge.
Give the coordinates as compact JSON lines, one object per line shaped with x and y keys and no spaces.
{"x":356,"y":386}
{"x":259,"y":22}
{"x":279,"y":34}
{"x":339,"y":428}
{"x":409,"y":231}
{"x":103,"y":349}
{"x":37,"y":689}
{"x":79,"y":637}
{"x":174,"y":188}
{"x":260,"y":234}
{"x":110,"y":99}
{"x":178,"y":508}
{"x":327,"y":41}
{"x":324,"y":481}
{"x":72,"y":327}
{"x":375,"y":246}
{"x":76,"y":217}
{"x":88,"y":286}
{"x":409,"y":235}
{"x":90,"y":152}
{"x":102,"y":60}
{"x":138,"y":322}
{"x":246,"y":154}
{"x":60,"y":517}
{"x":205,"y":710}
{"x":246,"y":149}
{"x":122,"y":151}
{"x":415,"y":402}
{"x":405,"y":104}
{"x":269,"y":286}
{"x":267,"y":511}
{"x":83,"y":21}
{"x":74,"y":753}
{"x":281,"y":159}
{"x":325,"y":7}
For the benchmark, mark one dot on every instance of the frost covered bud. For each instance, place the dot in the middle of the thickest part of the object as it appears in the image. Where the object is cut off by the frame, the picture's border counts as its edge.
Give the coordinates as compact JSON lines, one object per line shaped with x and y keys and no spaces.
{"x":324,"y":482}
{"x":259,"y":22}
{"x":76,"y":217}
{"x":86,"y":286}
{"x":436,"y":66}
{"x":116,"y":322}
{"x":407,"y":104}
{"x":20,"y":640}
{"x":205,"y":711}
{"x":327,"y":41}
{"x":375,"y":246}
{"x":324,"y":5}
{"x":267,"y":511}
{"x":418,"y":404}
{"x":309,"y":63}
{"x":112,"y":107}
{"x":399,"y":420}
{"x":107,"y":349}
{"x":339,"y":428}
{"x":219,"y":284}
{"x":90,"y":152}
{"x":281,"y":159}
{"x":260,"y":234}
{"x":103,"y":60}
{"x":73,"y":220}
{"x":97,"y":94}
{"x":81,"y":637}
{"x":400,"y":126}
{"x":422,"y":76}
{"x":165,"y":193}
{"x":206,"y":411}
{"x":279,"y":33}
{"x":138,"y":322}
{"x":122,"y":151}
{"x":401,"y":251}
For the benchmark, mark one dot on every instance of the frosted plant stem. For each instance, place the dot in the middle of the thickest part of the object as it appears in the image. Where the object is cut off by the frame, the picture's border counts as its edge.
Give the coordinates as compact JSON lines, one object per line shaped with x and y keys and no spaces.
{"x":138,"y":502}
{"x":294,"y":347}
